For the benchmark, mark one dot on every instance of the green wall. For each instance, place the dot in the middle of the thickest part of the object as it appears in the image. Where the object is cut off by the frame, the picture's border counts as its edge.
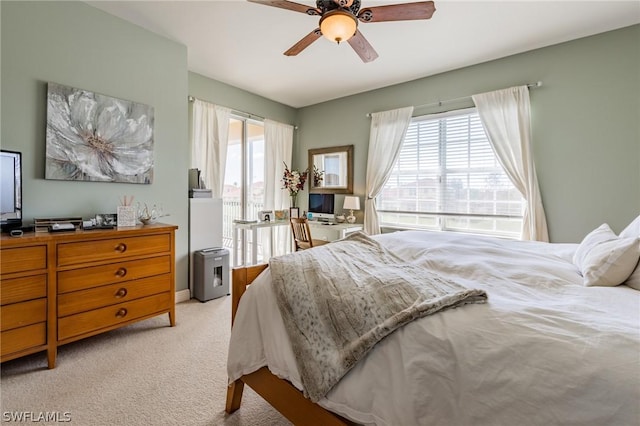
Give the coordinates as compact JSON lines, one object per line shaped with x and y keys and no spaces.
{"x":585,"y":121}
{"x":77,"y":45}
{"x":240,"y":100}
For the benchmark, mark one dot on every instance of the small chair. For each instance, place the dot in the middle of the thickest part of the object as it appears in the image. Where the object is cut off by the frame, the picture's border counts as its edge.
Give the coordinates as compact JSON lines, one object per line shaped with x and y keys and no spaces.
{"x":302,"y":234}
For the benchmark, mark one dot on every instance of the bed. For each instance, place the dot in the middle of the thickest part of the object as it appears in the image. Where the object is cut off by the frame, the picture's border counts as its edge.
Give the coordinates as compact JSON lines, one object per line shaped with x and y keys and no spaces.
{"x":545,"y":349}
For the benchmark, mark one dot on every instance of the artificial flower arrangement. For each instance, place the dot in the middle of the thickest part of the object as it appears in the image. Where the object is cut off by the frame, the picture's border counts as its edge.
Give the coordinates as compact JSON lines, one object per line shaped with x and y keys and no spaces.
{"x":293,"y":181}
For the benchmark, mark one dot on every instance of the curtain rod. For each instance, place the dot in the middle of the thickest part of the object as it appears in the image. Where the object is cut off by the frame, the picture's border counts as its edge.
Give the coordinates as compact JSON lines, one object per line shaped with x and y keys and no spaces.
{"x":440,"y":103}
{"x":241,"y":113}
{"x":236,"y":112}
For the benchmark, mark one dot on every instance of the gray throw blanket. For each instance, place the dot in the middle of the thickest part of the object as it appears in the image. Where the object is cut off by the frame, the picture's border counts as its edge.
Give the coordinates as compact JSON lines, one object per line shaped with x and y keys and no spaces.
{"x":338,"y":300}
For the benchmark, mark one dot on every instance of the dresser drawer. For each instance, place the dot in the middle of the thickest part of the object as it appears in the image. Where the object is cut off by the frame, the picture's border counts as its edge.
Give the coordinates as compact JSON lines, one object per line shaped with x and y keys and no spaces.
{"x":21,"y":289}
{"x":23,"y":338}
{"x":84,"y":278}
{"x":115,"y":248}
{"x":86,"y":300}
{"x":23,"y":313}
{"x":23,"y":259}
{"x":86,"y":322}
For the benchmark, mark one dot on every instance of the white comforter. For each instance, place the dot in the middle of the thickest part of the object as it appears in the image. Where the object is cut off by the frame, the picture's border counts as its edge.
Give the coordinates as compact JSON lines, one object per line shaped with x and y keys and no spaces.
{"x":543,"y":351}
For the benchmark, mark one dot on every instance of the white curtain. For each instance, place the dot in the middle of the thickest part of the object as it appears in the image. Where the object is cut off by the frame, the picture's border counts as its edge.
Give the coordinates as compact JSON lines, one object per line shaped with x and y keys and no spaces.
{"x":278,"y":149}
{"x":388,"y":129}
{"x":506,"y":118}
{"x":209,"y":144}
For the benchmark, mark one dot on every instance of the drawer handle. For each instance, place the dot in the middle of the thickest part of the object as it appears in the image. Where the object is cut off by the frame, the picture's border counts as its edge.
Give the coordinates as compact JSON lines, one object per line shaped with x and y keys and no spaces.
{"x":121,"y":248}
{"x":121,"y":293}
{"x":121,"y":272}
{"x":122,"y":312}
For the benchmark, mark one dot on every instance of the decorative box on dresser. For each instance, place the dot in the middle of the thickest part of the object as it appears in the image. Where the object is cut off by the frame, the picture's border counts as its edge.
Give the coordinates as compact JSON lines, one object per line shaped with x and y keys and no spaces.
{"x":94,"y":281}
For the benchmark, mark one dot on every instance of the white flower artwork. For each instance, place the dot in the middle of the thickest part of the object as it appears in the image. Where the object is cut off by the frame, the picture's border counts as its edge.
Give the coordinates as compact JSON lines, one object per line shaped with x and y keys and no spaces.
{"x":93,"y":137}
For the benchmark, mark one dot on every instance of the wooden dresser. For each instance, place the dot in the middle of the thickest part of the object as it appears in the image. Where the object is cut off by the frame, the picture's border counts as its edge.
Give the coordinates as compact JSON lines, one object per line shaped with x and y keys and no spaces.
{"x":25,"y":294}
{"x":62,"y":287}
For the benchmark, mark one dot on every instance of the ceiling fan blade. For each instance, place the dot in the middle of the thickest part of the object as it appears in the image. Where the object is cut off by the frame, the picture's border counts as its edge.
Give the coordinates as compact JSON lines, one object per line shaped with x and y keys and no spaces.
{"x":304,"y":43}
{"x":343,"y":3}
{"x":398,"y":12}
{"x":289,"y":5}
{"x":362,"y":47}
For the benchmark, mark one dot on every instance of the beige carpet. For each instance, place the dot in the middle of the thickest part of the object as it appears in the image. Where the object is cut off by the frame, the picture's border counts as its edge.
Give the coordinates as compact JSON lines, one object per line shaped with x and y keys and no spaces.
{"x":144,"y":374}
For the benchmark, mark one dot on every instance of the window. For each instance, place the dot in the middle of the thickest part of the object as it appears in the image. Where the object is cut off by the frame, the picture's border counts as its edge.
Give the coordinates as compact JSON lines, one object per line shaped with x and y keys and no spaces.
{"x":447,"y":177}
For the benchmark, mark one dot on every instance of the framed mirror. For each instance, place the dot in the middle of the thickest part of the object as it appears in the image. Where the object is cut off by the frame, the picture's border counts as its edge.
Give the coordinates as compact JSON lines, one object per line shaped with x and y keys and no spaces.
{"x":331,"y":170}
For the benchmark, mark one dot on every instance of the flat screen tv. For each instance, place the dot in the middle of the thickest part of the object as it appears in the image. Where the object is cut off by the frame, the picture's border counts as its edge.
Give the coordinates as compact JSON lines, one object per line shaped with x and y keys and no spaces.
{"x":321,"y":206}
{"x":10,"y":190}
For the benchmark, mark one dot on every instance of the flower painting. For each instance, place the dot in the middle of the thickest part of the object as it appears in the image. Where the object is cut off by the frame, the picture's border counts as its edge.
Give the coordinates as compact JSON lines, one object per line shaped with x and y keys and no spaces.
{"x":93,"y":137}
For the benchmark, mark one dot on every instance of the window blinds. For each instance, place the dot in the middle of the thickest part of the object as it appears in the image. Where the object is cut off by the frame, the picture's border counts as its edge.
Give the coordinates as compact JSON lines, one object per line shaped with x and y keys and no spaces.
{"x":447,"y":166}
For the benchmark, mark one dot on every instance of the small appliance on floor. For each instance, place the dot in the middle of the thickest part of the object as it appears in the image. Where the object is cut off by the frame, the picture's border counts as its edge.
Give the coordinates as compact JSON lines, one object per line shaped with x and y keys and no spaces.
{"x":211,"y":273}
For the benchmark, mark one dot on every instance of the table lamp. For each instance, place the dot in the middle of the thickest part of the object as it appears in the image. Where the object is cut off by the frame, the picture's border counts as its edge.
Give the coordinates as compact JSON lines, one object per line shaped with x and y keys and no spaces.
{"x":351,"y":204}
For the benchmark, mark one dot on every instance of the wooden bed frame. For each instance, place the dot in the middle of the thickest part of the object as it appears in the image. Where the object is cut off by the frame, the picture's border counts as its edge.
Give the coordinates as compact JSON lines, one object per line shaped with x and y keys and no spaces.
{"x":281,"y":394}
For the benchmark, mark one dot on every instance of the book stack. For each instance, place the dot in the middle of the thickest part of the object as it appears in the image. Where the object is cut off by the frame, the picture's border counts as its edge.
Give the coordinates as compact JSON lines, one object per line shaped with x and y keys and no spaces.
{"x":196,"y":185}
{"x":199,"y":193}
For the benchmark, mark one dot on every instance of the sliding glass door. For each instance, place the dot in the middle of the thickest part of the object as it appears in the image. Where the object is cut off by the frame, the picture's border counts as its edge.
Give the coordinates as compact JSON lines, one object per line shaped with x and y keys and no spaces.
{"x":243,"y":194}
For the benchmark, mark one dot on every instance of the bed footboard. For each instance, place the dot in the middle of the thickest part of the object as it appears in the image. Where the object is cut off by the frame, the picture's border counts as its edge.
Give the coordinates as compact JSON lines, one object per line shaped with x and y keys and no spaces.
{"x":281,"y":394}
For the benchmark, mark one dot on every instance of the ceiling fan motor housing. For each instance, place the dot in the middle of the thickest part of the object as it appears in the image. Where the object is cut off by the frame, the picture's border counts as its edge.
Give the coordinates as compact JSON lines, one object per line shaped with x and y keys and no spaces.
{"x":329,"y":5}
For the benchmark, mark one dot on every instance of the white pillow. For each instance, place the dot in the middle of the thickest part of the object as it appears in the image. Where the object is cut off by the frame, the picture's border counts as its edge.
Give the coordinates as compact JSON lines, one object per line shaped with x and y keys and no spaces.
{"x":600,"y":234}
{"x":634,"y":280}
{"x":610,"y":263}
{"x":633,"y":230}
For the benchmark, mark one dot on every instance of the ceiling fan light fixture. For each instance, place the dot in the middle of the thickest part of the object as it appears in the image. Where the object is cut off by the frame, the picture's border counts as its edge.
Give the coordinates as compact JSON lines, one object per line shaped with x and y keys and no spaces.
{"x":338,"y":25}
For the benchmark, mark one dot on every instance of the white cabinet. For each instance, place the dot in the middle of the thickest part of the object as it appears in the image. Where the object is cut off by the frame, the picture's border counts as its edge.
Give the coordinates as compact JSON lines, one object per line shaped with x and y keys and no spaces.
{"x":205,"y":227}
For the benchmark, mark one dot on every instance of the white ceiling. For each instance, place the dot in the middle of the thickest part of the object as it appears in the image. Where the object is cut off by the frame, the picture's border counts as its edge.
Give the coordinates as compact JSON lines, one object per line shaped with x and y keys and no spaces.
{"x":241,"y":43}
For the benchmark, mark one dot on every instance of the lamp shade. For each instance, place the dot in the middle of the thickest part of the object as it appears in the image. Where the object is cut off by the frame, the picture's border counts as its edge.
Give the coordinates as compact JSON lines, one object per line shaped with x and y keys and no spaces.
{"x":351,"y":203}
{"x":338,"y":25}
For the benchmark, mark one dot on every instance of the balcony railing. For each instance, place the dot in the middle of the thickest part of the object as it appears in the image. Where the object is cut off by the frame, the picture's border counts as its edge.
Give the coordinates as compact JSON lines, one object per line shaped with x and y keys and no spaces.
{"x":232,"y":210}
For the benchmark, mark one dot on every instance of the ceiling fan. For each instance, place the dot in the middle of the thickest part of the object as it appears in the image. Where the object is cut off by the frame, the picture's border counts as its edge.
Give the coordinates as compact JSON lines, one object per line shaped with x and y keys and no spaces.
{"x":339,"y":21}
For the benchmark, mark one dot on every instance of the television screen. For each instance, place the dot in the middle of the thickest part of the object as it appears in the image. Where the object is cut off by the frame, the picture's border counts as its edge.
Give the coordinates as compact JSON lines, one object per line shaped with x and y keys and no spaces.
{"x":10,"y":189}
{"x":321,"y":203}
